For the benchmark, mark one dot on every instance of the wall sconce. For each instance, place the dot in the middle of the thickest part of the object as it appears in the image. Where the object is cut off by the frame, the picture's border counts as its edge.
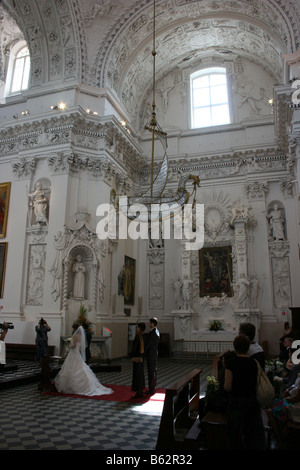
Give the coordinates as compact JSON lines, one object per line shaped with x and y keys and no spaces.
{"x":88,"y":111}
{"x":124,"y":124}
{"x":59,"y":107}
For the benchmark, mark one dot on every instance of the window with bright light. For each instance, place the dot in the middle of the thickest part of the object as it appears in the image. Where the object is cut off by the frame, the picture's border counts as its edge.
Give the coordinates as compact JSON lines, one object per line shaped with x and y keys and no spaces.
{"x":209,"y":98}
{"x":21,"y":70}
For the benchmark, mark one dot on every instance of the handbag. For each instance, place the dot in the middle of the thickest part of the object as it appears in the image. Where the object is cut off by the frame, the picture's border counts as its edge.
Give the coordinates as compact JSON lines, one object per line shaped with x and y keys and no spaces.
{"x":294,"y":413}
{"x":136,"y":359}
{"x":264,"y":389}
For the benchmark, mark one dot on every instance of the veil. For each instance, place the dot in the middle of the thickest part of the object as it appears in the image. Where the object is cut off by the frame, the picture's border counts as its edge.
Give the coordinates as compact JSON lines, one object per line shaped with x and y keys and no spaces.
{"x":79,"y":337}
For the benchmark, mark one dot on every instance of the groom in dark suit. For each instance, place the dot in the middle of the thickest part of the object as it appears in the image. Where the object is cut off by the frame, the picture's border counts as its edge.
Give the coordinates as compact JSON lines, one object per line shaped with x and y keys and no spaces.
{"x":88,"y":338}
{"x":151,"y":346}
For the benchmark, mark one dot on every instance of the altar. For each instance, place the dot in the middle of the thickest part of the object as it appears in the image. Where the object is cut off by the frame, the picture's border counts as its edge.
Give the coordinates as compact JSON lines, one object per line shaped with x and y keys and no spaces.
{"x":100,"y":347}
{"x":195,"y":336}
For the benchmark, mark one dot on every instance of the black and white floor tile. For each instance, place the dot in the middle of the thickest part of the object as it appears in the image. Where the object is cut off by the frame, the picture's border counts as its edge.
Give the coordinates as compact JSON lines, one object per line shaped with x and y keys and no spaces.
{"x":30,"y":420}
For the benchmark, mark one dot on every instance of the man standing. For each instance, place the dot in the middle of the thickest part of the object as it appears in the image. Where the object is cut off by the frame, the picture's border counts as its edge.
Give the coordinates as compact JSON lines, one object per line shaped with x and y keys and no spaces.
{"x":88,"y":337}
{"x":255,"y":350}
{"x":42,"y":352}
{"x":137,"y":358}
{"x":151,"y":347}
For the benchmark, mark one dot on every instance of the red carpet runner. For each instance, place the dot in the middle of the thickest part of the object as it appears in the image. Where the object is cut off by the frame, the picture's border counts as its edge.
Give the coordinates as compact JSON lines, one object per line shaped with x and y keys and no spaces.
{"x":122,"y":393}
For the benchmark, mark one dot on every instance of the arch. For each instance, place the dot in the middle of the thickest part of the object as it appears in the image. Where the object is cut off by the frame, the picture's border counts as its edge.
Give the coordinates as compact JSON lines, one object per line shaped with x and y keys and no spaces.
{"x":123,"y":62}
{"x":56,"y":39}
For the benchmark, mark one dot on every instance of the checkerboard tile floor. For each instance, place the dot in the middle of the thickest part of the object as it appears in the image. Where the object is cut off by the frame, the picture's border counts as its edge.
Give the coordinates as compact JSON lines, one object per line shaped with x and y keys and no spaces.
{"x":33,"y":421}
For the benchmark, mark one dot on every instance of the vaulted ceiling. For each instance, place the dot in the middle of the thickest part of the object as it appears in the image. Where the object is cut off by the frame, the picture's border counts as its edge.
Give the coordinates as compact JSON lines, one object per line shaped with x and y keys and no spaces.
{"x":109,"y":43}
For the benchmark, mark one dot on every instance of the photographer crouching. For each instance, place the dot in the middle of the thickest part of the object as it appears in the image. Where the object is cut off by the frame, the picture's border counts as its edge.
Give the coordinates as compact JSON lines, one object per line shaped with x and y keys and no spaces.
{"x":42,"y":353}
{"x":4,"y":327}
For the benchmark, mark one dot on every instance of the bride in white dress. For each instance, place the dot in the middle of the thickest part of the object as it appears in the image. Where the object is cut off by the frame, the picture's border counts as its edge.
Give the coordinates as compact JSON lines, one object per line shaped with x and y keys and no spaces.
{"x":76,"y":376}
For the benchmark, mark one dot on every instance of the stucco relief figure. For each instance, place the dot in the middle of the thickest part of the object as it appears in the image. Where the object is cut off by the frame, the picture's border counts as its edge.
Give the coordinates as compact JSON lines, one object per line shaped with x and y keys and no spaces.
{"x":79,"y":278}
{"x":253,"y":292}
{"x":38,"y":202}
{"x":186,"y":292}
{"x":276,"y":223}
{"x":177,"y":285}
{"x":56,"y":268}
{"x":243,"y":285}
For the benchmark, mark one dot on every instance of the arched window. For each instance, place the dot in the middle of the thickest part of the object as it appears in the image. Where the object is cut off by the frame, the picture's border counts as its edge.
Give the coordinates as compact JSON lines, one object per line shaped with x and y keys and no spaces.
{"x":18,"y":71}
{"x":209,"y":98}
{"x":21,"y":69}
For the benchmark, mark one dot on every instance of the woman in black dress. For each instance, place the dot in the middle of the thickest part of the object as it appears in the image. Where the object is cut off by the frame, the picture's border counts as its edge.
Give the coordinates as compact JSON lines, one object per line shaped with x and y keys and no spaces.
{"x":137,"y":357}
{"x":244,"y":420}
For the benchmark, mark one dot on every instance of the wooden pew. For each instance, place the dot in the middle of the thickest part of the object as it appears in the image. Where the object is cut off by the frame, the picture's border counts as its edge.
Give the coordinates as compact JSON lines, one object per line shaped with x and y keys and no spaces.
{"x":214,"y":423}
{"x":178,"y":429}
{"x":23,"y":351}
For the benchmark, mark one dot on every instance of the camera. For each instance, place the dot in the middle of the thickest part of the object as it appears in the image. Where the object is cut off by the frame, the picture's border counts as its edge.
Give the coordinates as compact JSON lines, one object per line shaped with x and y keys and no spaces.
{"x":42,"y":322}
{"x":6,"y":326}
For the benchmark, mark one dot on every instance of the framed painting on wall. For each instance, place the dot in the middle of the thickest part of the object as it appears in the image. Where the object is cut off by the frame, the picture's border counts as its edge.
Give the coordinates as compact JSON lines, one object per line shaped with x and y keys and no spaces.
{"x":215,"y":267}
{"x":4,"y":203}
{"x":3,"y":252}
{"x":129,"y":280}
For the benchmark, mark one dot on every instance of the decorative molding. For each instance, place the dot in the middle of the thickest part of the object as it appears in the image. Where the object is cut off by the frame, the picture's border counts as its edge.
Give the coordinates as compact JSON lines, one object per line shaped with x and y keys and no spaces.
{"x":156,"y":263}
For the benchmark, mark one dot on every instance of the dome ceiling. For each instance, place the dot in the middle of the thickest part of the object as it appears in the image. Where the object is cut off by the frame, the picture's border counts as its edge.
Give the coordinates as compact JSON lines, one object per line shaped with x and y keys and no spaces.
{"x":108,"y":43}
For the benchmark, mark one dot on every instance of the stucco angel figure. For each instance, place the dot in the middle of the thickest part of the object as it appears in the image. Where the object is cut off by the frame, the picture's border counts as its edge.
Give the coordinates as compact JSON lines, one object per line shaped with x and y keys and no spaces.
{"x":39,"y":203}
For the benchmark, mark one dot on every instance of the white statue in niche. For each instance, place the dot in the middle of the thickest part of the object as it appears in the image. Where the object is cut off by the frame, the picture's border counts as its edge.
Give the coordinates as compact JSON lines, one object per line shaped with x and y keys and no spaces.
{"x":39,"y":203}
{"x":79,"y":278}
{"x":276,"y":223}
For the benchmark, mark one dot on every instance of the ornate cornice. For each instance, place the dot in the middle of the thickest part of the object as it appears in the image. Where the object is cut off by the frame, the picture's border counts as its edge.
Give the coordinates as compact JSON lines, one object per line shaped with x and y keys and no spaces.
{"x":93,"y":138}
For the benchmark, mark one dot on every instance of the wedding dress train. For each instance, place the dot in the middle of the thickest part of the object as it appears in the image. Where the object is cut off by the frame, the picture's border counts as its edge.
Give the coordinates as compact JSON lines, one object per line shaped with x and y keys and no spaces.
{"x":76,"y":376}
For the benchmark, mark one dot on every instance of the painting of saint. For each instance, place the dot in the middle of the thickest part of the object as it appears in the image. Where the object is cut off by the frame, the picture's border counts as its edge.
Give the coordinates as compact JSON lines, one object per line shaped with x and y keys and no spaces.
{"x":215,"y":271}
{"x":4,"y":202}
{"x":129,"y":280}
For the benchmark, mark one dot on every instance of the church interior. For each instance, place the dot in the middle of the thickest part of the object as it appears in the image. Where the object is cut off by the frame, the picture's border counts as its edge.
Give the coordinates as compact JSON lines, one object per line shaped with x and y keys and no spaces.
{"x":111,"y":109}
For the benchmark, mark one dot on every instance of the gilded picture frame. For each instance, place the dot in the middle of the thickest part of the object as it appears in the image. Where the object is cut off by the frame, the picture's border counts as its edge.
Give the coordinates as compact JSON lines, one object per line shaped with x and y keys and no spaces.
{"x":4,"y":204}
{"x":3,"y":254}
{"x":215,"y":269}
{"x":129,"y":280}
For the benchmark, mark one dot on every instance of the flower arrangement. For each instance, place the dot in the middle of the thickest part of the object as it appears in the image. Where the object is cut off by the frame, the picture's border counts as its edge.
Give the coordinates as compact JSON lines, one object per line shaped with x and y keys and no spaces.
{"x":82,"y":319}
{"x":275,"y":371}
{"x":276,"y":367}
{"x":212,"y":385}
{"x":215,"y":325}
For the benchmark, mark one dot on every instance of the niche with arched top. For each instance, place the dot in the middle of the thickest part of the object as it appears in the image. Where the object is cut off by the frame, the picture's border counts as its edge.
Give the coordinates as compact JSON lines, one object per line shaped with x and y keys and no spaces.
{"x":276,"y":221}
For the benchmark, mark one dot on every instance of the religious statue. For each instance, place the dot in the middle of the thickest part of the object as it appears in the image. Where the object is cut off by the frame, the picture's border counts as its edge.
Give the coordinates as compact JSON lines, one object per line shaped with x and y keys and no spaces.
{"x":177,"y":285}
{"x":79,"y":278}
{"x":56,"y":268}
{"x":253,"y":292}
{"x":276,"y":223}
{"x":243,"y":285}
{"x":39,"y":203}
{"x":186,"y":287}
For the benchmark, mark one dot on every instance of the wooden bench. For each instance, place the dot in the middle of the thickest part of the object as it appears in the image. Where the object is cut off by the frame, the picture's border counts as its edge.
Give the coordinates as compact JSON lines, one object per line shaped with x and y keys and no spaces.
{"x":23,"y":352}
{"x":214,"y":425}
{"x":178,"y":429}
